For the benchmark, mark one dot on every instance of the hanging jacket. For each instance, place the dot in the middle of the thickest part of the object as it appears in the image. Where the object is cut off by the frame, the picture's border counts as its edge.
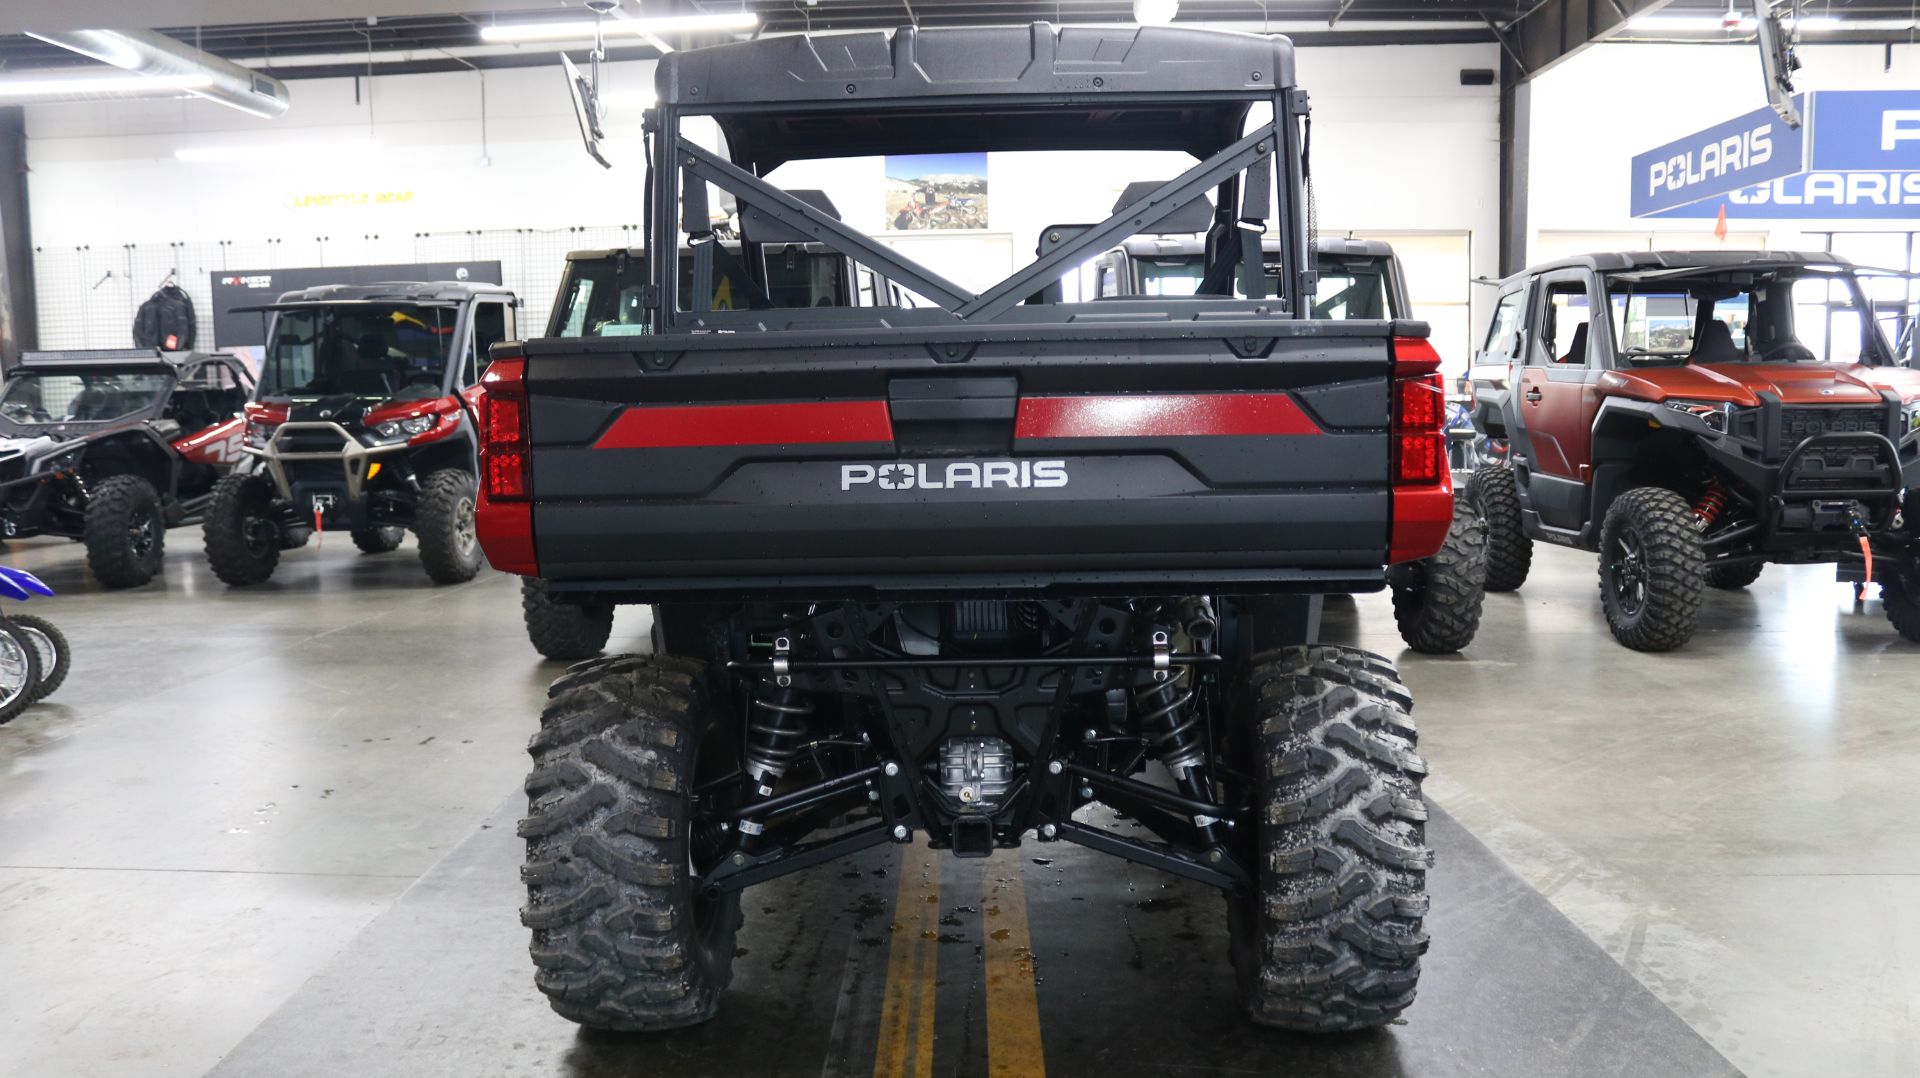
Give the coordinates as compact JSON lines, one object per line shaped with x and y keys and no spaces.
{"x":165,"y":320}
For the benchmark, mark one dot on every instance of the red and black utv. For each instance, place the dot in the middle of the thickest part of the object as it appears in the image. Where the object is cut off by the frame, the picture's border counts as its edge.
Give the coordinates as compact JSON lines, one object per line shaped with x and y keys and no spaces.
{"x":113,"y":447}
{"x":362,"y":424}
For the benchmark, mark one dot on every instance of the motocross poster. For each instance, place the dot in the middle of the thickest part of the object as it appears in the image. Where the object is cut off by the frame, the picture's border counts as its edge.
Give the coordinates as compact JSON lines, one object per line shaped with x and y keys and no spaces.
{"x":936,"y":191}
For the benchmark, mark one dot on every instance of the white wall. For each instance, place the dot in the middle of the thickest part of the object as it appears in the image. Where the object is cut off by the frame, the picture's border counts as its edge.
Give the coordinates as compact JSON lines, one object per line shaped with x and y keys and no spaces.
{"x":1398,"y":145}
{"x":1593,"y":112}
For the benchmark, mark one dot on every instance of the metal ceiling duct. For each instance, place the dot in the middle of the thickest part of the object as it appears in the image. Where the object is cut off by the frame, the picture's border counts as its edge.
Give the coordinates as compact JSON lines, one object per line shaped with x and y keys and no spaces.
{"x":145,"y":52}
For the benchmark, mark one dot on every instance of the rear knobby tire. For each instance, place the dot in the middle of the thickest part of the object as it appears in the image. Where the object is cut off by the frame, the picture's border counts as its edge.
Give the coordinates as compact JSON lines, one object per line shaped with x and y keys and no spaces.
{"x":565,"y":631}
{"x":1495,"y":495}
{"x":621,"y":938}
{"x":1331,"y":938}
{"x":1652,"y":570}
{"x":1733,"y":577}
{"x":51,"y":650}
{"x":125,"y":531}
{"x":1437,"y":605}
{"x":443,"y":519}
{"x":1900,"y":597}
{"x":242,"y":539}
{"x":379,"y":539}
{"x":19,"y":670}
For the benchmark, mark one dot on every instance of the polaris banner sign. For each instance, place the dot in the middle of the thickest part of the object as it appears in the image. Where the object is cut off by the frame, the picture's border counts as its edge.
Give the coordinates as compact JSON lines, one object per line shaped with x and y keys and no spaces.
{"x":1749,"y":150}
{"x":1862,"y":163}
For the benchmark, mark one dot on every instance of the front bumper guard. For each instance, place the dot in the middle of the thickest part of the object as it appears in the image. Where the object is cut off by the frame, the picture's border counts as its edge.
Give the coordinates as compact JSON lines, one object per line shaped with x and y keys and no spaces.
{"x":353,"y":455}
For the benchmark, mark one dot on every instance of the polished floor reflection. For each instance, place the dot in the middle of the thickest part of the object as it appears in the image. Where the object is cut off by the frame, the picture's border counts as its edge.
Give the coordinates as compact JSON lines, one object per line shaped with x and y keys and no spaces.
{"x":217,"y":818}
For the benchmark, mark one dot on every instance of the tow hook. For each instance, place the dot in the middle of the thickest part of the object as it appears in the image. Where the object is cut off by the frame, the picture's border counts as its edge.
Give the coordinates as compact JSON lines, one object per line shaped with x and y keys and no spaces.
{"x":1866,"y":544}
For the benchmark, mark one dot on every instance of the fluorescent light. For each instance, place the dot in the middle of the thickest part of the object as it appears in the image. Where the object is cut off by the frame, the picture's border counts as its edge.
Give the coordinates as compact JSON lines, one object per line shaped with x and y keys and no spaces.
{"x":67,"y":85}
{"x":266,"y":151}
{"x":1717,"y":24}
{"x":582,"y":29}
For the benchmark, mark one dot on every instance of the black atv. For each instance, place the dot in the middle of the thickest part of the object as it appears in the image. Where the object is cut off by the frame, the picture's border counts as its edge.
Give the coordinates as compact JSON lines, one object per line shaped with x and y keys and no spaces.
{"x":114,"y":447}
{"x":362,"y":424}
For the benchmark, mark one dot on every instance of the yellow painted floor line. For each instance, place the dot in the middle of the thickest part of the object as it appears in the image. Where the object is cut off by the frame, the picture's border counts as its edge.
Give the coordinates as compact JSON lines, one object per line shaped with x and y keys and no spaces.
{"x":1013,"y":1000}
{"x":913,"y":957}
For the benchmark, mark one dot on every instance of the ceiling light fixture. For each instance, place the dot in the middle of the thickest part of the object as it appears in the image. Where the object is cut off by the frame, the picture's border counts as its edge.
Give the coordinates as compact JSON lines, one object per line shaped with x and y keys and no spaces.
{"x":1653,"y":24}
{"x":105,"y":85}
{"x":582,"y":30}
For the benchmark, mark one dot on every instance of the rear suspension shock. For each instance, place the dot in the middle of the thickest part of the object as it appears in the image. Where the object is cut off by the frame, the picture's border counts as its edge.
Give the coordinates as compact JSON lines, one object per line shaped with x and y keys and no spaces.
{"x":1172,"y":728}
{"x":776,"y":727}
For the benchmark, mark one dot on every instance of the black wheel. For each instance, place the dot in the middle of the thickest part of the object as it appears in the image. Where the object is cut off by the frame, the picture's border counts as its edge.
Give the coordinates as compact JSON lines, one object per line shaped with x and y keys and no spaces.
{"x":443,"y":519}
{"x":378,"y":539}
{"x":1495,"y":495}
{"x":1437,"y":604}
{"x":1900,"y":596}
{"x":1733,"y":577}
{"x":242,"y":539}
{"x":50,"y":650}
{"x":19,"y":670}
{"x":125,"y":531}
{"x":1652,"y":571}
{"x":903,"y":220}
{"x":623,"y":938}
{"x":561,"y":630}
{"x":1330,"y":939}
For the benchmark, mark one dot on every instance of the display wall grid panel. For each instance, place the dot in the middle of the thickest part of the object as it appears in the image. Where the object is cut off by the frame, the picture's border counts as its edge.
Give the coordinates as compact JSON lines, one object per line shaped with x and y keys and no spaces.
{"x":88,"y":293}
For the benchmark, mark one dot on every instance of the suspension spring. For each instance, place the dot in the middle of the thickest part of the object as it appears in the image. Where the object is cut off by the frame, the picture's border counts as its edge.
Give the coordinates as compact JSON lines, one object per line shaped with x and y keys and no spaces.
{"x":1712,"y":503}
{"x":775,"y":731}
{"x":1168,"y":724}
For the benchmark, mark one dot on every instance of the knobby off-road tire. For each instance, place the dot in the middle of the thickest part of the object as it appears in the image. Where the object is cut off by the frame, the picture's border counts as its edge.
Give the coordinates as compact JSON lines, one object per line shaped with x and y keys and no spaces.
{"x":51,"y":651}
{"x":1900,"y":597}
{"x":443,"y":519}
{"x":242,"y":540}
{"x":1495,"y":495}
{"x":19,"y":670}
{"x":565,"y":631}
{"x":125,"y":531}
{"x":1652,"y":570}
{"x":1438,"y":609}
{"x":1733,"y":577}
{"x":1331,"y":938}
{"x":621,"y":939}
{"x":380,"y":539}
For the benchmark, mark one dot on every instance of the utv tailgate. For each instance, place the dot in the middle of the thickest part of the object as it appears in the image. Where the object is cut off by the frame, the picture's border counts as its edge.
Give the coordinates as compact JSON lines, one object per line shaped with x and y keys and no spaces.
{"x":1233,"y":457}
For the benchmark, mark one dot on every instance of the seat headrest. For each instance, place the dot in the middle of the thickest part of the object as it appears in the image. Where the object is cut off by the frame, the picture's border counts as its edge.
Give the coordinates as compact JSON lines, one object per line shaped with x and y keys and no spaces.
{"x":1193,"y":217}
{"x":760,"y":227}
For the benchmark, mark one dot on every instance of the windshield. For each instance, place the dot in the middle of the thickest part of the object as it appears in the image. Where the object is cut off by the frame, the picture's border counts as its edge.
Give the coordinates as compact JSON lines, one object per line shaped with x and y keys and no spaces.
{"x":380,"y":351}
{"x":1181,"y":275}
{"x":605,"y":297}
{"x":1178,"y":275}
{"x":1778,"y":316}
{"x":35,"y":398}
{"x":1351,"y":290}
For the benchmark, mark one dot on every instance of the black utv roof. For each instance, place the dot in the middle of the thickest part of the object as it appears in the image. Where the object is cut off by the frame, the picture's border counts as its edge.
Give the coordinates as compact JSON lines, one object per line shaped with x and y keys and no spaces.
{"x":966,"y":88}
{"x":1628,"y":261}
{"x":442,"y":293}
{"x":110,"y":358}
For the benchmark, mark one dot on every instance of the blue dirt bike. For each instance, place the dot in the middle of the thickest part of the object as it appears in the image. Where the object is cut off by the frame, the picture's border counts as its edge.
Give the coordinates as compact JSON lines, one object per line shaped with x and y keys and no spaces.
{"x":34,"y":656}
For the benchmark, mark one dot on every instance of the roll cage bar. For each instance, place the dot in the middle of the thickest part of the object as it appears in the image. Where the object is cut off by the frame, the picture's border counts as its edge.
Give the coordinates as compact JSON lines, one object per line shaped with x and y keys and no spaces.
{"x":1162,"y":73}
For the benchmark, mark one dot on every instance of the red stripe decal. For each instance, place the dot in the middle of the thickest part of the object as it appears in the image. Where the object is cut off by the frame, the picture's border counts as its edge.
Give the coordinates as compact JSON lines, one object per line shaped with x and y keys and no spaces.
{"x":674,"y":427}
{"x":1153,"y":415}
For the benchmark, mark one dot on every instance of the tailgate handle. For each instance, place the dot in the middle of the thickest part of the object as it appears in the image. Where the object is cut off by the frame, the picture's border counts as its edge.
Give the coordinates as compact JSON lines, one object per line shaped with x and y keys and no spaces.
{"x":957,"y":410}
{"x":953,"y":416}
{"x":953,"y":400}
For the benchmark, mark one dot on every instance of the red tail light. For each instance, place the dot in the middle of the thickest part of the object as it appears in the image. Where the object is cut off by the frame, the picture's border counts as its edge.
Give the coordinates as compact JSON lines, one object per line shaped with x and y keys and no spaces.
{"x":1422,"y":481}
{"x":504,"y":443}
{"x":1419,"y":429}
